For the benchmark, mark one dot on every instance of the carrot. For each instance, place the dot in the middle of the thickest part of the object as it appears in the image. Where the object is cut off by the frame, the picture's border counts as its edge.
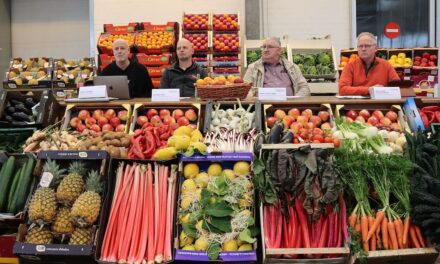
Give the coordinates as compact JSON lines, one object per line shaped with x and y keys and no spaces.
{"x":384,"y":230}
{"x":377,"y":221}
{"x":352,"y":219}
{"x":378,"y":241}
{"x":420,"y":237}
{"x":393,"y":236}
{"x":303,"y":223}
{"x":398,"y":224}
{"x":364,"y":232}
{"x":413,"y":237}
{"x":358,"y":227}
{"x":405,"y":231}
{"x":371,"y":222}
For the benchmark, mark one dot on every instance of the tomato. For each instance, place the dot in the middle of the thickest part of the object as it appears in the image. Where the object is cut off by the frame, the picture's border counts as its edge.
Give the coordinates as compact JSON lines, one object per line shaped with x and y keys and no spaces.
{"x":337,"y":142}
{"x":318,"y":138}
{"x":328,"y":140}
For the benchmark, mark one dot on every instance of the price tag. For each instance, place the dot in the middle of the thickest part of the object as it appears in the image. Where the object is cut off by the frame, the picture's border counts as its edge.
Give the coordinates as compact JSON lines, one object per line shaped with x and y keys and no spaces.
{"x":46,"y":178}
{"x":407,"y":70}
{"x":407,"y":78}
{"x":165,"y":95}
{"x":272,"y":94}
{"x":430,"y":78}
{"x":377,"y":92}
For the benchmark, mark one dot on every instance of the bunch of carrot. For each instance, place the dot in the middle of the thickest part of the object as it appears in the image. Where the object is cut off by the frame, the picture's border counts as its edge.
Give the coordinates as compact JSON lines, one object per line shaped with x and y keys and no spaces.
{"x":140,"y":223}
{"x":295,"y":228}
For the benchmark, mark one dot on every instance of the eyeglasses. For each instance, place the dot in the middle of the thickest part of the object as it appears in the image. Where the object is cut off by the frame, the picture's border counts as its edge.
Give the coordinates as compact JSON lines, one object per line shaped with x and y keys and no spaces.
{"x":367,"y":46}
{"x":268,"y":47}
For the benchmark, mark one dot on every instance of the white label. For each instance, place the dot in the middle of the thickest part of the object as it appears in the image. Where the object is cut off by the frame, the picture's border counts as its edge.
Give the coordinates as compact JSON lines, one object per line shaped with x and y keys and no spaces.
{"x":46,"y":178}
{"x":61,"y":94}
{"x":272,"y":94}
{"x":377,"y":92}
{"x":407,"y":70}
{"x":98,"y":91}
{"x":12,"y":85}
{"x":82,"y":154}
{"x":430,"y":78}
{"x":407,"y":78}
{"x":165,"y":95}
{"x":61,"y":84}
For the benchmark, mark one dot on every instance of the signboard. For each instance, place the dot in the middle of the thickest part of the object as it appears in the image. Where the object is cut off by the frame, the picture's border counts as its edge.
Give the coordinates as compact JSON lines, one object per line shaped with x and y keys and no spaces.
{"x":392,"y":30}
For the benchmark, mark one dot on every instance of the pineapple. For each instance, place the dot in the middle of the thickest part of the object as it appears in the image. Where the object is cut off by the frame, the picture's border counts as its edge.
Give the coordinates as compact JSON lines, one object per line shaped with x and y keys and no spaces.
{"x":63,"y":225}
{"x":43,"y":206}
{"x":81,"y":236}
{"x":85,"y":210}
{"x":72,"y":185}
{"x":39,"y":236}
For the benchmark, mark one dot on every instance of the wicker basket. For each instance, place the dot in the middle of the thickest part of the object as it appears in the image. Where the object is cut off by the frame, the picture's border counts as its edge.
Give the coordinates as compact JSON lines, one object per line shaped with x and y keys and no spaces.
{"x":227,"y":91}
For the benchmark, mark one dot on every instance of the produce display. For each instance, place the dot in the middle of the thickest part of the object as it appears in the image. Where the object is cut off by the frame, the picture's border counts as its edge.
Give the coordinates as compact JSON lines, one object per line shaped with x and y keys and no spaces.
{"x":115,"y":143}
{"x":344,"y":60}
{"x":68,"y":71}
{"x":20,"y":111}
{"x":12,"y":139}
{"x":234,"y":117}
{"x":141,"y":211}
{"x":105,"y":42}
{"x":377,"y":118}
{"x":200,"y":41}
{"x":230,"y":140}
{"x":72,"y":64}
{"x":425,"y":60}
{"x":220,"y":80}
{"x":98,"y":120}
{"x":31,"y":76}
{"x":173,"y":117}
{"x":401,"y":60}
{"x":225,"y":22}
{"x":154,"y":40}
{"x":302,"y":200}
{"x":15,"y":181}
{"x":65,"y":208}
{"x":195,"y":22}
{"x":216,"y":208}
{"x":315,"y":64}
{"x":226,"y":42}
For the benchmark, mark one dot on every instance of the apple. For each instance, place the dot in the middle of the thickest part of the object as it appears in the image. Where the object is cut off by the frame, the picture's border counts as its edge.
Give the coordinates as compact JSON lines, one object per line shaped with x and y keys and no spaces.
{"x":152,"y":112}
{"x":385,"y":121}
{"x":122,"y":115}
{"x":295,"y":127}
{"x":97,"y":114}
{"x":156,"y":120}
{"x":183,"y":121}
{"x":324,"y":115}
{"x":360,"y":118}
{"x":95,"y":128}
{"x":238,"y":80}
{"x":279,"y":114}
{"x":352,"y":114}
{"x":90,"y":121}
{"x":109,"y":114}
{"x":364,"y":113}
{"x":426,"y":55}
{"x":115,"y":121}
{"x":191,"y":115}
{"x":396,"y":127}
{"x":102,"y":121}
{"x":326,"y":127}
{"x":294,"y":112}
{"x":416,"y":63}
{"x":270,"y":121}
{"x":178,"y":113}
{"x":378,"y":114}
{"x":391,"y":115}
{"x":417,"y":58}
{"x":168,"y":120}
{"x":80,"y":127}
{"x":373,"y":120}
{"x":287,"y":121}
{"x":308,"y":113}
{"x":75,"y":121}
{"x":107,"y":127}
{"x":163,"y":113}
{"x":120,"y":128}
{"x":348,"y":119}
{"x":433,"y":58}
{"x":310,"y":125}
{"x":302,"y":119}
{"x":316,"y":120}
{"x":83,"y":114}
{"x":141,"y":120}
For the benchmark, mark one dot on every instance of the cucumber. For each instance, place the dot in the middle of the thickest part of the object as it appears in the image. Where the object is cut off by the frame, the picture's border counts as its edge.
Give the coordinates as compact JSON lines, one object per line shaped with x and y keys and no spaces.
{"x":21,"y":194}
{"x":5,"y":181}
{"x":13,"y":188}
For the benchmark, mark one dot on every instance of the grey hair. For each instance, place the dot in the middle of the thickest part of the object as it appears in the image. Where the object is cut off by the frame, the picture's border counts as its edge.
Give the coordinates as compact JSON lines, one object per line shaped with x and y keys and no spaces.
{"x":373,"y":37}
{"x":277,"y":40}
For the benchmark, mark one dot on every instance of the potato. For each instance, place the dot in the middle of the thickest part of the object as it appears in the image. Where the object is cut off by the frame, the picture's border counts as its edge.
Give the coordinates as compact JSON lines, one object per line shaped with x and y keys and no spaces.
{"x":114,"y":151}
{"x":96,"y":140}
{"x":119,"y":134}
{"x":102,"y":144}
{"x":108,"y":136}
{"x":115,"y":142}
{"x":93,"y":147}
{"x":125,"y":142}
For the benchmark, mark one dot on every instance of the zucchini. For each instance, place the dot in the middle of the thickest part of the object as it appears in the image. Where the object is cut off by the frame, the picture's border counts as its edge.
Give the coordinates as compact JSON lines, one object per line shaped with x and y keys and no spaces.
{"x":21,"y":194}
{"x":5,"y":180}
{"x":13,"y":188}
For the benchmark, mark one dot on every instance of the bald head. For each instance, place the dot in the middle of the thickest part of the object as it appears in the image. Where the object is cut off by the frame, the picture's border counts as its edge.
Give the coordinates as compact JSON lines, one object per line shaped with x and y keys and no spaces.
{"x":185,"y":50}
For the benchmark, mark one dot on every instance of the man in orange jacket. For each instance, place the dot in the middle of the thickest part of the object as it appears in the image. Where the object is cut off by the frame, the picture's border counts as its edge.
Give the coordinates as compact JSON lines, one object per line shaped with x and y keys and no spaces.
{"x":367,"y":70}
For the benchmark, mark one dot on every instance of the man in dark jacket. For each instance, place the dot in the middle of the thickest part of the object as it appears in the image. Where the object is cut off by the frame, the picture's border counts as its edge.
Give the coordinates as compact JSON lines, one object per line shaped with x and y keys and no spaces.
{"x":140,"y":83}
{"x":184,"y":73}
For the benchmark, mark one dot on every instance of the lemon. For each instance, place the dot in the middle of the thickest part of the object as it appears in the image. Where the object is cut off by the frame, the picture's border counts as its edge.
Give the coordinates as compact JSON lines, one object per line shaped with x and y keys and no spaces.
{"x":201,"y":244}
{"x":202,"y":179}
{"x":245,"y":247}
{"x":199,"y":226}
{"x":182,"y":142}
{"x":214,"y":169}
{"x":185,"y":219}
{"x":196,"y":136}
{"x":185,"y":239}
{"x":183,"y":130}
{"x":239,"y":242}
{"x":189,"y":185}
{"x":190,"y":170}
{"x":189,"y":247}
{"x":241,"y":168}
{"x":230,"y":245}
{"x":229,"y":174}
{"x":198,"y":194}
{"x":171,"y":141}
{"x":186,"y":202}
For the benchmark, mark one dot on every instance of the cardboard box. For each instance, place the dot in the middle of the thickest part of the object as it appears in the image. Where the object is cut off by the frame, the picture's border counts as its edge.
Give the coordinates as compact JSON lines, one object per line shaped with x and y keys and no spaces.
{"x":121,"y":29}
{"x":62,"y":253}
{"x":141,"y":109}
{"x":227,"y":160}
{"x":144,"y":47}
{"x":47,"y":110}
{"x":154,"y":60}
{"x":156,"y":82}
{"x":72,"y":110}
{"x":157,"y":71}
{"x":104,"y":60}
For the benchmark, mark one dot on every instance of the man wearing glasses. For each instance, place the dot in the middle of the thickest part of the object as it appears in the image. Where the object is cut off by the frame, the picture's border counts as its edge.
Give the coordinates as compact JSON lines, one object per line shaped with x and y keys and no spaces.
{"x":367,"y":70}
{"x":273,"y":71}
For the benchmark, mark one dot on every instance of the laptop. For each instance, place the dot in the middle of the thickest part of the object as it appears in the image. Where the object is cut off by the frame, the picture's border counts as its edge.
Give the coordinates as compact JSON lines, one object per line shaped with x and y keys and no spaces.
{"x":117,"y":86}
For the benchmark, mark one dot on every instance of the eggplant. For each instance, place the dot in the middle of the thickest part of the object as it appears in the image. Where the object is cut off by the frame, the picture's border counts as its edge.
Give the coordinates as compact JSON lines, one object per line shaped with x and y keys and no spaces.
{"x":15,"y":102}
{"x":29,"y":102}
{"x":10,"y":110}
{"x":9,"y":118}
{"x":20,"y":116}
{"x":22,"y":108}
{"x":19,"y":123}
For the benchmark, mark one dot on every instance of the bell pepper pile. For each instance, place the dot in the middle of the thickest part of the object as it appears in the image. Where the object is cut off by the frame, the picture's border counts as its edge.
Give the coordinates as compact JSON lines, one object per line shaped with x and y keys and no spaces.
{"x":147,"y":140}
{"x":430,"y":114}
